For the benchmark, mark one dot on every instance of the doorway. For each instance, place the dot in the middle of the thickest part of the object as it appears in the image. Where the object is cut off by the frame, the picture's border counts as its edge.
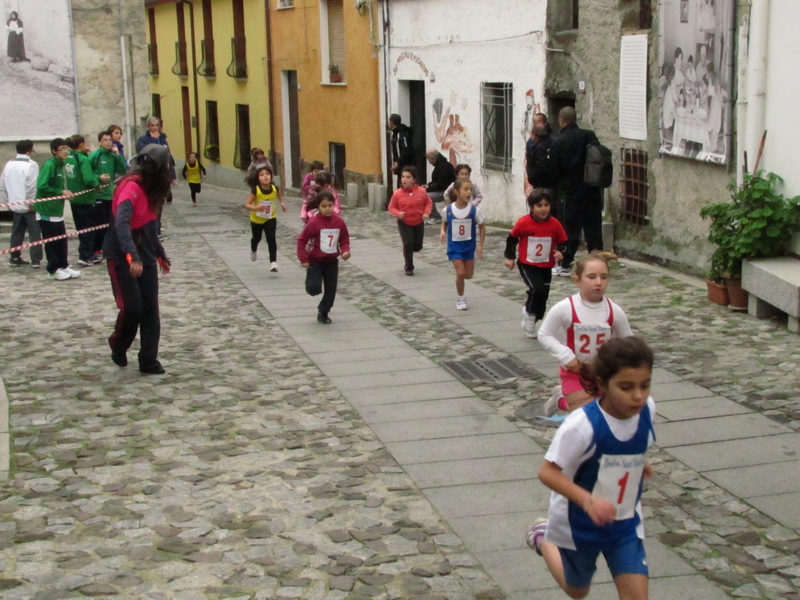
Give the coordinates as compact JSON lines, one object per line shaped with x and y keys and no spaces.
{"x":291,"y":128}
{"x":417,"y":121}
{"x":336,"y":158}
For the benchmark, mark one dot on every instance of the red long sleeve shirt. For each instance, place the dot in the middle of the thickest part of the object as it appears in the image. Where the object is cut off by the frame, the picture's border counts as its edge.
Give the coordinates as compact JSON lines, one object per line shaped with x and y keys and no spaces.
{"x":323,"y":239}
{"x":414,"y":203}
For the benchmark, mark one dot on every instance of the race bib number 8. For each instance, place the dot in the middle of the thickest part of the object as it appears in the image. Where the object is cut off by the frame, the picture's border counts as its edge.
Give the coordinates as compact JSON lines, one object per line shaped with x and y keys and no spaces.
{"x":538,"y":249}
{"x":618,"y":480}
{"x":462,"y":229}
{"x":329,"y":240}
{"x":266,"y":210}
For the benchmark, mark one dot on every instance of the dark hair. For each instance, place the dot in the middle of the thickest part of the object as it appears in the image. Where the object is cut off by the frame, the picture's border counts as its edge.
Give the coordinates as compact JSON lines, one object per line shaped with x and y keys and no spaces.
{"x":463,"y":166}
{"x":316,"y":165}
{"x":324,"y":195}
{"x":395,"y":119}
{"x":457,"y":185}
{"x":410,"y":169}
{"x":539,"y":194}
{"x":678,"y":52}
{"x":76,"y":140}
{"x":613,"y":356}
{"x":584,"y":260}
{"x":57,"y":143}
{"x":255,"y":151}
{"x":252,"y":179}
{"x":112,"y":128}
{"x":323,"y":178}
{"x":102,"y":133}
{"x":156,"y":181}
{"x":24,"y":146}
{"x":197,"y":158}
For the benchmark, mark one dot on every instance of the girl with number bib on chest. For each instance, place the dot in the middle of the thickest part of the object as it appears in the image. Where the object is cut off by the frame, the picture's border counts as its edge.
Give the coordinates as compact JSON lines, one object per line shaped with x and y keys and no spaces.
{"x":575,"y":328}
{"x":595,"y":466}
{"x":461,"y":221}
{"x":263,"y":206}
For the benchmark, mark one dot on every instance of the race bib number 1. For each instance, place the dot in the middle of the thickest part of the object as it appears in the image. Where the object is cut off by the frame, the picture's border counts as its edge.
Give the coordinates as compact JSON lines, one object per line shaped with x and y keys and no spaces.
{"x":329,"y":240}
{"x":618,"y":480}
{"x":538,"y":249}
{"x":462,"y":229}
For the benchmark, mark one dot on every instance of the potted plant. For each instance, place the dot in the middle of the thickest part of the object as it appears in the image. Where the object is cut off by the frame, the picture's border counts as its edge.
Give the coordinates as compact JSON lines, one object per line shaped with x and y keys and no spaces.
{"x":335,"y":74}
{"x":757,"y":223}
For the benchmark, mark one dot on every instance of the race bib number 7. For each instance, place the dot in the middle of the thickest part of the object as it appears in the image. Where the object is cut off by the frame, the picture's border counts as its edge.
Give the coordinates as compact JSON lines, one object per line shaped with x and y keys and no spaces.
{"x":618,"y":480}
{"x":329,"y":240}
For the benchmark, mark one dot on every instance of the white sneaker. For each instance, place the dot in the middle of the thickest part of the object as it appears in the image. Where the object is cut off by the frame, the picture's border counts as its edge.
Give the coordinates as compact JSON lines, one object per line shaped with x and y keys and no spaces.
{"x":561,"y":272}
{"x":253,"y":256}
{"x":461,"y":303}
{"x":72,"y":273}
{"x":59,"y":275}
{"x":273,"y":266}
{"x":528,"y":322}
{"x":533,"y":335}
{"x":551,"y":406}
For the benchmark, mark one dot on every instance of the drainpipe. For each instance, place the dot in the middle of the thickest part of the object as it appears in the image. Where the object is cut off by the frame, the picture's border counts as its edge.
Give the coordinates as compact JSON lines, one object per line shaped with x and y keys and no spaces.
{"x":194,"y":78}
{"x":756,"y":77}
{"x":271,"y":95}
{"x":124,"y":60}
{"x":74,"y":63}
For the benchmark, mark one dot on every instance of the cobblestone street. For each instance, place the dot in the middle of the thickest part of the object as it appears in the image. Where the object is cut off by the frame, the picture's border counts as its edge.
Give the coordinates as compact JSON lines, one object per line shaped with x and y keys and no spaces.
{"x":248,"y":472}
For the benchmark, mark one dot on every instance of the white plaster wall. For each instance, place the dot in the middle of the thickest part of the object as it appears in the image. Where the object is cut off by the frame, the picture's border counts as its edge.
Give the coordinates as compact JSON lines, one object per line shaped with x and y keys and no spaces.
{"x":461,"y":46}
{"x":46,"y":28}
{"x":783,"y":90}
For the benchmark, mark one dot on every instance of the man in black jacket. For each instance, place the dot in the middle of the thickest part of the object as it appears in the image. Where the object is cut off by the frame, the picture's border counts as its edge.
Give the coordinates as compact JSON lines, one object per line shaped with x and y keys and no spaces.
{"x":536,"y":153}
{"x":583,"y":205}
{"x":443,"y":175}
{"x":402,"y":146}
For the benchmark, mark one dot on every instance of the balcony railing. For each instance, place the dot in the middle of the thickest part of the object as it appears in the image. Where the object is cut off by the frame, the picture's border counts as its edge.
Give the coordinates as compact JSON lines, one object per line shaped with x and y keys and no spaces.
{"x":181,"y":66}
{"x":152,"y":57}
{"x":208,"y":67}
{"x":238,"y":67}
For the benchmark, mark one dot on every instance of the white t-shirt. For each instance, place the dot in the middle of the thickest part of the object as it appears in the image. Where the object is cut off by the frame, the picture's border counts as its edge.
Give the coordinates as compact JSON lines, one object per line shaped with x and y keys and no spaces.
{"x":553,"y":332}
{"x":463,"y":213}
{"x":570,"y":448}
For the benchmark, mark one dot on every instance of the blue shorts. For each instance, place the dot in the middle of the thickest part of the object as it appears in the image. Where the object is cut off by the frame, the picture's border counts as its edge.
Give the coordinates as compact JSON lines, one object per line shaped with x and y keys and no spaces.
{"x":461,"y":255}
{"x":626,"y":557}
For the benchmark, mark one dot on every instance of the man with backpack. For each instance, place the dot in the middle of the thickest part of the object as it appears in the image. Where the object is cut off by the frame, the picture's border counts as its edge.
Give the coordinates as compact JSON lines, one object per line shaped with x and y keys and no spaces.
{"x":579,"y":187}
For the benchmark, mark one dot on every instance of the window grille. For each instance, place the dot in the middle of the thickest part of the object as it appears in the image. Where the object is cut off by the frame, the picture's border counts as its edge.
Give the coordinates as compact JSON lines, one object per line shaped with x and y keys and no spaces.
{"x":497,"y":104}
{"x":152,"y":57}
{"x":207,"y":66}
{"x":211,"y":149}
{"x":241,"y":158}
{"x":238,"y":67}
{"x":633,"y":186}
{"x":181,"y":66}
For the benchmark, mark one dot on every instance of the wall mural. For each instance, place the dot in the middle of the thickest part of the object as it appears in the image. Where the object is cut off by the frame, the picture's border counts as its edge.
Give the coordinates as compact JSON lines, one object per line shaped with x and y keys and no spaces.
{"x":453,"y":137}
{"x":696,"y":74}
{"x":531,"y":108}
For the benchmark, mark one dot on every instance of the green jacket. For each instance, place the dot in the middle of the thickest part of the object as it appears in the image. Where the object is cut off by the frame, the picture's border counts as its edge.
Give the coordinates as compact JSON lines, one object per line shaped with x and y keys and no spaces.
{"x":53,"y":180}
{"x":105,"y":162}
{"x":85,"y":178}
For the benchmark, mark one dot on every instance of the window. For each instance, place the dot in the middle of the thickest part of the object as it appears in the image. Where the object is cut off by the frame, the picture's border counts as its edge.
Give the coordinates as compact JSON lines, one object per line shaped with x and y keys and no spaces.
{"x":211,"y":148}
{"x":155,"y":100}
{"x":238,"y":67}
{"x":633,"y":186}
{"x":181,"y":66}
{"x":208,"y":66}
{"x":332,"y":42}
{"x":285,"y":3}
{"x":563,"y":14}
{"x":241,"y":158}
{"x":152,"y":47}
{"x":636,"y":14}
{"x":496,"y":105}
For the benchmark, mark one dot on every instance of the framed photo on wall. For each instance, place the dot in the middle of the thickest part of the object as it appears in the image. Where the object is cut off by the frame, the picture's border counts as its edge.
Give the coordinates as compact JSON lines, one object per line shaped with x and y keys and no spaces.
{"x":684,"y":11}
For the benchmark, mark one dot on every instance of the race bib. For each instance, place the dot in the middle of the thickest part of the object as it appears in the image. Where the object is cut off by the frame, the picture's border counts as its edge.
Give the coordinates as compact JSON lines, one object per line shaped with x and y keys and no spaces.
{"x":329,"y":240}
{"x":618,"y":480}
{"x":538,"y":249}
{"x":588,"y":339}
{"x":265,"y":211}
{"x":461,"y":230}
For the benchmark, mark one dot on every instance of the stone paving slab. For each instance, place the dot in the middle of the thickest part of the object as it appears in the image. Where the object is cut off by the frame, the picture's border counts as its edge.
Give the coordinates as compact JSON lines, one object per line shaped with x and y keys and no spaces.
{"x":480,"y":446}
{"x":407,"y":393}
{"x":369,"y":367}
{"x":476,"y":470}
{"x":346,"y":356}
{"x":443,"y":427}
{"x":739,"y":453}
{"x":428,"y":409}
{"x":537,"y":357}
{"x":681,"y":390}
{"x":784,"y":508}
{"x":759,"y":480}
{"x":523,"y":495}
{"x":685,"y":587}
{"x":717,"y":429}
{"x":392,"y":379}
{"x":700,"y":408}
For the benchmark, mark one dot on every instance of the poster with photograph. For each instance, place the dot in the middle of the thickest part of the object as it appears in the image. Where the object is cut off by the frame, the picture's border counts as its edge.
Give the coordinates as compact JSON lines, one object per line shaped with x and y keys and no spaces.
{"x":37,"y":79}
{"x":695,"y":58}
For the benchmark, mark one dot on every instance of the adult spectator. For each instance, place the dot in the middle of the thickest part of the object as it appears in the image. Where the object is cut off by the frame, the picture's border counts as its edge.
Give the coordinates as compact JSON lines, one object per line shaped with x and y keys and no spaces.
{"x":18,"y":184}
{"x":583,"y":205}
{"x":402,"y":147}
{"x":536,"y":152}
{"x":444,"y":174}
{"x":154,"y":135}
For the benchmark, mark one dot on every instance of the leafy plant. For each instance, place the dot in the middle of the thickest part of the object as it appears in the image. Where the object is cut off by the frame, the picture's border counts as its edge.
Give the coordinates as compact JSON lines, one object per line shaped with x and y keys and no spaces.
{"x":756,"y":224}
{"x":333,"y":69}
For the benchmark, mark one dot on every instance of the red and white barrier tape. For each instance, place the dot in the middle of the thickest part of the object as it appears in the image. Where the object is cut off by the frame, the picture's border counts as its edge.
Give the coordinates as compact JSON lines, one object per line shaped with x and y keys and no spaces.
{"x":94,"y":189}
{"x":53,"y":239}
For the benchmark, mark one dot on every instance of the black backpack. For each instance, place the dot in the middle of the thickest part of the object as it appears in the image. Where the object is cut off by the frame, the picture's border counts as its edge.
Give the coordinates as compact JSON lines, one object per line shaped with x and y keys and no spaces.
{"x":598,"y":169}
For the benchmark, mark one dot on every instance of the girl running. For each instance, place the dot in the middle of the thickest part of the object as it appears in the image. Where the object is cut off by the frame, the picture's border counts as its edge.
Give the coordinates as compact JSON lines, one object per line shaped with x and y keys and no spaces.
{"x":460,"y":221}
{"x":323,"y":182}
{"x":465,"y":171}
{"x":575,"y":328}
{"x":263,"y":206}
{"x":595,"y":467}
{"x":194,"y":172}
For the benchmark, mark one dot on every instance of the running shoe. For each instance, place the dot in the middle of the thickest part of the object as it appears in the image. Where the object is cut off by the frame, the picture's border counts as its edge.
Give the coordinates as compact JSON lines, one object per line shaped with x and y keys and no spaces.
{"x":535,"y":535}
{"x":17,"y":261}
{"x":461,"y":303}
{"x":253,"y":256}
{"x":551,"y":406}
{"x":273,"y":267}
{"x":561,"y":272}
{"x":59,"y":275}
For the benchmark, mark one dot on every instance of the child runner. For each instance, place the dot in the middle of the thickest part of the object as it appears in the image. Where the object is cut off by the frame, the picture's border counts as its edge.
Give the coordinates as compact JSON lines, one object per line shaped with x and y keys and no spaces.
{"x":460,"y":221}
{"x":595,"y":466}
{"x":263,"y":206}
{"x":322,"y":181}
{"x":194,"y":172}
{"x":465,"y":172}
{"x":259,"y":160}
{"x":318,"y":247}
{"x":308,"y":181}
{"x":576,"y":327}
{"x":411,"y":206}
{"x":538,"y":234}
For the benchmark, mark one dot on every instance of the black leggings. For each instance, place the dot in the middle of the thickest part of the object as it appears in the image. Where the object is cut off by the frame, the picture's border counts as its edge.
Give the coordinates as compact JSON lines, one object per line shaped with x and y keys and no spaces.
{"x":268,"y":229}
{"x":538,"y":281}
{"x":326,"y":273}
{"x":137,"y":300}
{"x":195,"y":189}
{"x":412,"y":237}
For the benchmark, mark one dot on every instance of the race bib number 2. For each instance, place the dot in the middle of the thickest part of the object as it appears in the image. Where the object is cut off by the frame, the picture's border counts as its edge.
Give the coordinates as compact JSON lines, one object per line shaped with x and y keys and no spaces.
{"x":618,"y":480}
{"x":538,"y":249}
{"x":329,"y":240}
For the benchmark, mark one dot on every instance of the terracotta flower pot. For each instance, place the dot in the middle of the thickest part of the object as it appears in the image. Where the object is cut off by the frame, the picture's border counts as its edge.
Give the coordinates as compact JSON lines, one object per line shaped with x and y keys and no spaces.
{"x":737,"y":295}
{"x":717,"y":292}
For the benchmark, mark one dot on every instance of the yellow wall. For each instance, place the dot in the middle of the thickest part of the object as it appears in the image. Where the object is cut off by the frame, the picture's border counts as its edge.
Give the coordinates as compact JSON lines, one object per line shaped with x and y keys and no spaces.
{"x":347,"y":114}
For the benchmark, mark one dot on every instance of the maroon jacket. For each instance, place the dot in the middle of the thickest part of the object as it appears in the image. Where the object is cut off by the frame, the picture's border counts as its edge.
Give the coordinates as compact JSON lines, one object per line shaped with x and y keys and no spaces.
{"x":323,"y":239}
